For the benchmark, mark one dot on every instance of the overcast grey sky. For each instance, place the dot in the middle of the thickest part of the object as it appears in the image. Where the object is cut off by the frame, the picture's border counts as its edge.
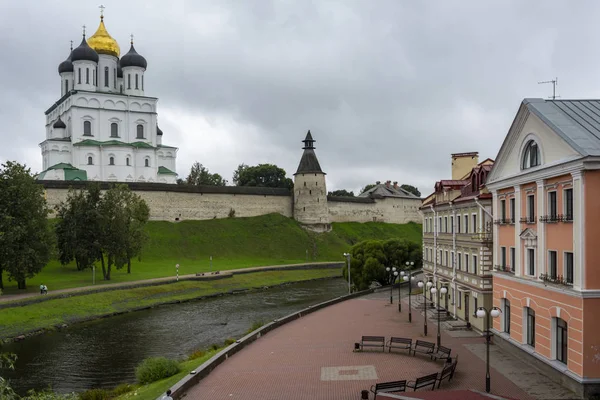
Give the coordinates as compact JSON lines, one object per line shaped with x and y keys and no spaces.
{"x":388,"y":88}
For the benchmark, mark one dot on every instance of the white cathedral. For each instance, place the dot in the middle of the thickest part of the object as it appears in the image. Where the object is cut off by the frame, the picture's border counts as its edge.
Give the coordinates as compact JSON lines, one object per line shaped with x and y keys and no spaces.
{"x":104,"y":127}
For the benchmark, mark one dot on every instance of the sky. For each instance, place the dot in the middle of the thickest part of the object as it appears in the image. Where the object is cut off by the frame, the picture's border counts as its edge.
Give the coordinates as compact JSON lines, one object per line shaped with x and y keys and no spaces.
{"x":389,"y":89}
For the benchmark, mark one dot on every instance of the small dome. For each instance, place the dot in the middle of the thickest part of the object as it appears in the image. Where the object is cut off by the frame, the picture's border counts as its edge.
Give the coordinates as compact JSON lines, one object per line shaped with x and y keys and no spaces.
{"x":59,"y":124}
{"x":119,"y":70}
{"x":103,"y":43}
{"x":67,"y":65}
{"x":158,"y":131}
{"x":84,"y":53}
{"x":133,"y":59}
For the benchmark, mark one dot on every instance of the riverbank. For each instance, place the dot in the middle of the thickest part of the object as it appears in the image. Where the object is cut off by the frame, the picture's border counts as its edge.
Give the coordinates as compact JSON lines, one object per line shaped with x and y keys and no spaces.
{"x":58,"y":313}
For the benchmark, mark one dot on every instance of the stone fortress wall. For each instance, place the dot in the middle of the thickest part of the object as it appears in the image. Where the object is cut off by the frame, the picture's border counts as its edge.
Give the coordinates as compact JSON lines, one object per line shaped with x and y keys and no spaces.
{"x":180,"y":203}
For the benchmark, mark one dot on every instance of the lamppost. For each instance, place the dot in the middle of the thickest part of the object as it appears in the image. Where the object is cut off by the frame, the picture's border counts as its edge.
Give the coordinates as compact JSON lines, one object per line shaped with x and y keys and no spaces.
{"x":425,"y":287}
{"x":442,"y":290}
{"x":409,"y":278}
{"x":392,"y":279}
{"x":482,"y":312}
{"x":399,"y":286}
{"x":347,"y":255}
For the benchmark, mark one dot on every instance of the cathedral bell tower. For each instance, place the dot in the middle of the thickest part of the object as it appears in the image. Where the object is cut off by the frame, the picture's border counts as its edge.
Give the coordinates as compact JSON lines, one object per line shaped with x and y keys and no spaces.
{"x":310,"y":191}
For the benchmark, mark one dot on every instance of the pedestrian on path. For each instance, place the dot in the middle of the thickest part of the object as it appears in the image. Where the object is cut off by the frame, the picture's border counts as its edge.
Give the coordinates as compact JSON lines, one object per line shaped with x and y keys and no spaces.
{"x":42,"y":289}
{"x":167,"y":396}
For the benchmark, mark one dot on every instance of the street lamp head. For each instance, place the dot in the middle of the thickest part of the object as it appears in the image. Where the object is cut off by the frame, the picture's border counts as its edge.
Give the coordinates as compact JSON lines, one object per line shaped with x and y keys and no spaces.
{"x":387,"y":269}
{"x":444,"y":290}
{"x":429,"y":284}
{"x":420,"y":284}
{"x":346,"y":254}
{"x":405,"y":278}
{"x":412,"y":263}
{"x":433,"y":290}
{"x":407,"y":263}
{"x":395,"y":273}
{"x":412,"y":278}
{"x":480,"y":312}
{"x":393,"y":268}
{"x":402,"y":273}
{"x":495,"y":312}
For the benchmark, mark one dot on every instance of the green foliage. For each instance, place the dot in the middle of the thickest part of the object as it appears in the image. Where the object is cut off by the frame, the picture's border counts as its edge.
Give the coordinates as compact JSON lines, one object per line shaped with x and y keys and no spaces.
{"x":50,"y":395}
{"x":26,"y":241}
{"x":156,"y":368}
{"x":229,"y":341}
{"x":263,"y":175}
{"x":411,"y":189}
{"x":96,"y":394}
{"x":370,"y":258}
{"x":7,"y":361}
{"x":231,"y":213}
{"x":341,"y":193}
{"x":255,"y":325}
{"x":196,"y":354}
{"x":199,"y":175}
{"x":122,"y":389}
{"x":367,"y":187}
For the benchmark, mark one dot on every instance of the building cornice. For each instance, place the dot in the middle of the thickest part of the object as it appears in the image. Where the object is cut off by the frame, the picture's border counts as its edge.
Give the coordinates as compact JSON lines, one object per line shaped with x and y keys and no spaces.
{"x":585,"y":294}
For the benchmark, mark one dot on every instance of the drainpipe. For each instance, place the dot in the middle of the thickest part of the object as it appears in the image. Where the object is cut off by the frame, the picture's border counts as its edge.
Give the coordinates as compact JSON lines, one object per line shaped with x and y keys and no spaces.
{"x":484,"y":210}
{"x":454,"y":257}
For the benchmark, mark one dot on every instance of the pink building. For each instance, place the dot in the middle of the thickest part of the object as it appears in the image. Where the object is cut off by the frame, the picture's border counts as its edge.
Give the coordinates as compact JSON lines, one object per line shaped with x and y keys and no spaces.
{"x":546,"y":185}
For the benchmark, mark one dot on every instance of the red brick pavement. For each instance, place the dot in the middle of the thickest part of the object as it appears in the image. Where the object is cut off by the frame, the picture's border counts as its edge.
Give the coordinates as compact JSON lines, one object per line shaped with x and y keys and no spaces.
{"x":287,"y":362}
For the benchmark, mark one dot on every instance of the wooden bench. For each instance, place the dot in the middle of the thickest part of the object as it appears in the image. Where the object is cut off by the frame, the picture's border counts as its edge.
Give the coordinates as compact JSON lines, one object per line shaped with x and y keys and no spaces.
{"x":388,"y":387}
{"x":447,"y":371}
{"x":423,"y":381}
{"x":442,"y":353}
{"x":400,"y":343}
{"x":372,"y":341}
{"x":423,"y":347}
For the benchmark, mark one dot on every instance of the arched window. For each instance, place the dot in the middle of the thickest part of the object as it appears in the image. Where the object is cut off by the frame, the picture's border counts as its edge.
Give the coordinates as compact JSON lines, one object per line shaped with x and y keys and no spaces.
{"x":87,"y":128}
{"x":114,"y":130}
{"x":142,"y":82}
{"x":111,"y":161}
{"x":87,"y":76}
{"x":127,"y":161}
{"x":115,"y":77}
{"x":531,"y":156}
{"x":128,"y":81}
{"x":66,"y":86}
{"x":106,"y":76}
{"x":79,"y":75}
{"x":90,"y":160}
{"x":140,"y":131}
{"x":136,"y":81}
{"x":147,"y":162}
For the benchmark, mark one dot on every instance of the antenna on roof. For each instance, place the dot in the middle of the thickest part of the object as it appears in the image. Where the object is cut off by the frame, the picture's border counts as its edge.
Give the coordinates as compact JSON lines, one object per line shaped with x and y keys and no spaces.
{"x":554,"y":83}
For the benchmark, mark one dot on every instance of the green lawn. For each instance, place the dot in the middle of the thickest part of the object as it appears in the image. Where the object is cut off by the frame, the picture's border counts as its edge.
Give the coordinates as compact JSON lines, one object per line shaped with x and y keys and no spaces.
{"x":233,"y":243}
{"x":49,"y":313}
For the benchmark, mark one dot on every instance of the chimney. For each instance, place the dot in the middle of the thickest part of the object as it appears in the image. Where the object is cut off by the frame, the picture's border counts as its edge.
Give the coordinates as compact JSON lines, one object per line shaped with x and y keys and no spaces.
{"x":387,"y":183}
{"x":463,"y":163}
{"x":395,"y":185}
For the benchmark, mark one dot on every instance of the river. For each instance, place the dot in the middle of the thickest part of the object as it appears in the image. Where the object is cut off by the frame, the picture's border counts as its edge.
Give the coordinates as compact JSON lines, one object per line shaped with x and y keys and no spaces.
{"x":104,"y":353}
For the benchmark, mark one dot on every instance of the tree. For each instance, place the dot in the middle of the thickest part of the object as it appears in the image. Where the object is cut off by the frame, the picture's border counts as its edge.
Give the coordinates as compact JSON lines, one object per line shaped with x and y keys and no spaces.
{"x":367,"y":187}
{"x":7,"y":361}
{"x":341,"y":193}
{"x":199,"y":175}
{"x":370,"y":258}
{"x":411,"y":189}
{"x":263,"y":175}
{"x":26,"y":239}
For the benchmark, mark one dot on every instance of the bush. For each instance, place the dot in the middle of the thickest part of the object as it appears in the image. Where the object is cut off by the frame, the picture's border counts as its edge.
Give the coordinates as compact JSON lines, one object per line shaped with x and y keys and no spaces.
{"x":255,"y":326}
{"x":96,"y":394}
{"x":156,"y":368}
{"x":122,"y":389}
{"x":48,"y":395}
{"x":214,"y":347}
{"x":197,"y":354}
{"x":229,"y":341}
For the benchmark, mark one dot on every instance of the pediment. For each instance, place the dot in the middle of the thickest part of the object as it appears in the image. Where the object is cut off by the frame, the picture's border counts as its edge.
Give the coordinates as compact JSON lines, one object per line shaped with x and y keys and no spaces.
{"x":529,"y":236}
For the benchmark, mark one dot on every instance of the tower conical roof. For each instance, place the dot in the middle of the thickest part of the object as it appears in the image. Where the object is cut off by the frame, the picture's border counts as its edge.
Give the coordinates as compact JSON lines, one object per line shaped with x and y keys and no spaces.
{"x":309,"y":162}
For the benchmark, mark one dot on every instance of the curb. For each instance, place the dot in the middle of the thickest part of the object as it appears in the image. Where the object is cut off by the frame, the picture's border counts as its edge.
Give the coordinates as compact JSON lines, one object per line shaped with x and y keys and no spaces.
{"x":191,"y":380}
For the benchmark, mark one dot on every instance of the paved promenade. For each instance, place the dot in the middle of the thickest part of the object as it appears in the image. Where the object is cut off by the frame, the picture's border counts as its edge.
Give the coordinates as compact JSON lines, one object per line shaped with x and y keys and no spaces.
{"x":311,"y":358}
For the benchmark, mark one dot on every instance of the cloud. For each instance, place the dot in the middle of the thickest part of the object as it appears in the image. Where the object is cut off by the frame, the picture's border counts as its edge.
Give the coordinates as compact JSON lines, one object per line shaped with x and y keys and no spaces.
{"x":389,"y":89}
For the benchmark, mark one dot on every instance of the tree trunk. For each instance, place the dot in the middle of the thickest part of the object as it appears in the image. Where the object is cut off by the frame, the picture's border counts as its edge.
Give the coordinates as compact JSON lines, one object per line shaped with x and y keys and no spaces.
{"x":21,"y":284}
{"x":103,"y":266}
{"x":128,"y":267}
{"x":108,"y":267}
{"x":1,"y":282}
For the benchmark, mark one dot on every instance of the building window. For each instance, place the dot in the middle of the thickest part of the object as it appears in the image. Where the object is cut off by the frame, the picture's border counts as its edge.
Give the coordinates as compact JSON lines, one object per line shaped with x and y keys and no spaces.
{"x":111,"y":161}
{"x":474,"y":264}
{"x":146,"y":162}
{"x":475,"y":306}
{"x":445,"y":224}
{"x":531,"y":208}
{"x":136,"y":81}
{"x":506,"y":313}
{"x":466,"y":263}
{"x":128,"y":81}
{"x":115,"y":78}
{"x":561,"y":340}
{"x":446,"y":258}
{"x":90,"y":160}
{"x":459,"y":256}
{"x":503,"y":258}
{"x":95,"y":76}
{"x":439,"y":226}
{"x":114,"y":130}
{"x":513,"y":259}
{"x":474,"y":223}
{"x":451,"y":224}
{"x":66,"y":86}
{"x":531,"y":157}
{"x":458,"y":224}
{"x":531,"y":262}
{"x":459,"y":305}
{"x":106,"y":79}
{"x":552,"y":264}
{"x":530,"y":326}
{"x":512,"y":210}
{"x":87,"y":128}
{"x":452,"y":260}
{"x":569,"y":267}
{"x":503,"y":210}
{"x":466,"y":224}
{"x":87,"y":75}
{"x":568,"y":200}
{"x":140,"y":131}
{"x":552,"y":205}
{"x":127,"y":162}
{"x":142,"y":82}
{"x":79,"y":75}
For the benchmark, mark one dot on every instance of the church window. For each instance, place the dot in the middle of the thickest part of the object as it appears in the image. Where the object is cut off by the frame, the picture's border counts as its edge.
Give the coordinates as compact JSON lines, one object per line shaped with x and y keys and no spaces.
{"x":114,"y":130}
{"x":95,"y":76}
{"x":310,"y":192}
{"x":128,"y":81}
{"x":531,"y":156}
{"x":142,"y":82}
{"x":79,"y":75}
{"x":136,"y":81}
{"x":115,"y":78}
{"x":127,"y":161}
{"x":111,"y":161}
{"x":66,"y":86}
{"x":90,"y":160}
{"x":304,"y":184}
{"x":87,"y":75}
{"x":87,"y":128}
{"x":140,"y":131}
{"x":106,"y":76}
{"x":147,"y":162}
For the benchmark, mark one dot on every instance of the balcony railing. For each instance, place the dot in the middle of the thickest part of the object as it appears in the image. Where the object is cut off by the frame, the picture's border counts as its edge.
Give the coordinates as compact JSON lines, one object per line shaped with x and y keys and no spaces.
{"x":504,"y":268}
{"x":528,"y":220}
{"x":504,"y":221}
{"x":559,"y":280}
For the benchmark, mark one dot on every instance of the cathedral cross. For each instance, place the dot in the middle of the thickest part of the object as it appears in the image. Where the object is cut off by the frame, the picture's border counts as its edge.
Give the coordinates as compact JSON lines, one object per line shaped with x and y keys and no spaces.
{"x":101,"y":7}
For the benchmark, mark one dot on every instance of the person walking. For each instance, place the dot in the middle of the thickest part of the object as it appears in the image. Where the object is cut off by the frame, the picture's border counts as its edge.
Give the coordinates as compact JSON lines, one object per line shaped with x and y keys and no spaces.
{"x":167,"y":396}
{"x":42,"y":289}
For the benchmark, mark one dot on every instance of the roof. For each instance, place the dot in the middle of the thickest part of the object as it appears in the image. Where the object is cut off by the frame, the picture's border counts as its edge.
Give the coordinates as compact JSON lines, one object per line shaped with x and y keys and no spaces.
{"x":165,"y":171}
{"x":469,"y":154}
{"x":133,"y":59}
{"x":383,"y":190}
{"x":309,"y":163}
{"x":575,"y":121}
{"x":71,"y":173}
{"x":59,"y":124}
{"x":97,"y":143}
{"x":349,"y":199}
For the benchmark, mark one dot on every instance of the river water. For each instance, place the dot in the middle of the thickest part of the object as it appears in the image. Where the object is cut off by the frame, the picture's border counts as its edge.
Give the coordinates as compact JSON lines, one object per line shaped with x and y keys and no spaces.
{"x":104,"y":353}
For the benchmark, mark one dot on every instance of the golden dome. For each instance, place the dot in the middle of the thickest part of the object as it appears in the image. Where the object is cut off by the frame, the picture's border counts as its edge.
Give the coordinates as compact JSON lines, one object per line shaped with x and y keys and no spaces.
{"x":103,"y":43}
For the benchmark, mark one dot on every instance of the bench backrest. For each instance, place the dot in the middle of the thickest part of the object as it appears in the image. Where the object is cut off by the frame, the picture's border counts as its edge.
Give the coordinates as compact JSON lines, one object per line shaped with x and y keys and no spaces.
{"x":426,"y":380}
{"x":454,"y":364}
{"x":444,"y":350}
{"x":447,"y":371}
{"x":373,"y":338}
{"x":422,"y":343}
{"x":400,"y":340}
{"x":400,"y":385}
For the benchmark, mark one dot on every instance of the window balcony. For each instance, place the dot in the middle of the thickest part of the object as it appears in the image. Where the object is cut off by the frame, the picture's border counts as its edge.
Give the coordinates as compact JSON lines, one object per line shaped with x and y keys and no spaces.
{"x":504,"y":268}
{"x":528,"y":220}
{"x":554,"y":218}
{"x":504,"y":221}
{"x":557,"y":280}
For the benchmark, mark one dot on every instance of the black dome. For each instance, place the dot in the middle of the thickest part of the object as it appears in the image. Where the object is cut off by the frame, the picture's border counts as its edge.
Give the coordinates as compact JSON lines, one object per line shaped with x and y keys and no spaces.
{"x":158,"y":131}
{"x":133,"y":59}
{"x":84,"y":53}
{"x":67,"y":65}
{"x":59,"y":124}
{"x":119,"y":70}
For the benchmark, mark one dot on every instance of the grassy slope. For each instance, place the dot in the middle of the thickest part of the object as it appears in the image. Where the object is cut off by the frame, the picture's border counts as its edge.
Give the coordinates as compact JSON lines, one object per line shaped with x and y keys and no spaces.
{"x":68,"y":310}
{"x":234,"y":243}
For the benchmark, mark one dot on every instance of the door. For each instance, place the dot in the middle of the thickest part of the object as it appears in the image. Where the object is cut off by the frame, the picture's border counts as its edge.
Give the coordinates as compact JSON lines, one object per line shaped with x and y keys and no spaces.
{"x":467,"y":308}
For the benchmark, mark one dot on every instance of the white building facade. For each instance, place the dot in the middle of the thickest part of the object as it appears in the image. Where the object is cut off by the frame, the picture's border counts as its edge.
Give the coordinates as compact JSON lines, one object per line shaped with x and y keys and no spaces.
{"x":104,"y":127}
